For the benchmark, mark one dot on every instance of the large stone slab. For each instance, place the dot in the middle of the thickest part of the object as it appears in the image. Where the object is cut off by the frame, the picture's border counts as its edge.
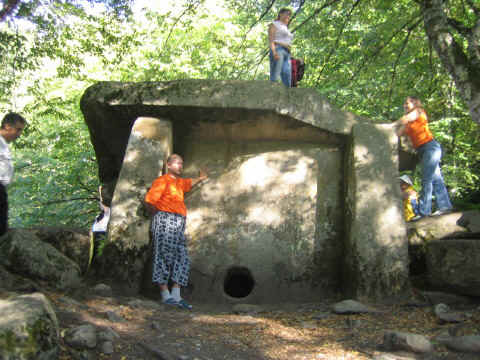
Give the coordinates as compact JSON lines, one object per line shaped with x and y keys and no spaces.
{"x":454,"y":265}
{"x":457,"y":224}
{"x":272,"y":216}
{"x":376,"y":248}
{"x":127,"y":249}
{"x":110,"y":109}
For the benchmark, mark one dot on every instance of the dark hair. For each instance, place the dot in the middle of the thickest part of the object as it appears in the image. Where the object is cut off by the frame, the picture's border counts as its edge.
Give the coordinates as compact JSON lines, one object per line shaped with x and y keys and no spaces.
{"x":282,"y":11}
{"x":12,"y":119}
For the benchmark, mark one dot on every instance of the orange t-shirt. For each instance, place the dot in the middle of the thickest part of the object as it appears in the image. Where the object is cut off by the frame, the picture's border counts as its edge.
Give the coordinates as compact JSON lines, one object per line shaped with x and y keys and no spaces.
{"x":166,"y":194}
{"x":418,"y":131}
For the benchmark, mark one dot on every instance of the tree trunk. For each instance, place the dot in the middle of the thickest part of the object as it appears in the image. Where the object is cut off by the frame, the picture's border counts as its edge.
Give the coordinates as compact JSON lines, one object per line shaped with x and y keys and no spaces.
{"x":463,"y":64}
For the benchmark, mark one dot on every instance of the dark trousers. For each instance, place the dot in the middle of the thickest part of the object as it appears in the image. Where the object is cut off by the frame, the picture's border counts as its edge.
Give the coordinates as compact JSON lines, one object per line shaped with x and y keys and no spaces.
{"x":3,"y":209}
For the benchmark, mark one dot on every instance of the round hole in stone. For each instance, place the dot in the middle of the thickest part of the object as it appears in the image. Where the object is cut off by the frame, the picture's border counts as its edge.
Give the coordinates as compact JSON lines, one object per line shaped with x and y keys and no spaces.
{"x":238,"y":282}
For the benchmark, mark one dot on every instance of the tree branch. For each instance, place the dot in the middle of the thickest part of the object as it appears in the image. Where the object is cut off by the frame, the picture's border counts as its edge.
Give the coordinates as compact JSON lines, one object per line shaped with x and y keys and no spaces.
{"x":334,"y":48}
{"x":265,"y":12}
{"x":379,"y":49}
{"x":314,"y":14}
{"x":187,"y":9}
{"x":402,"y":49}
{"x":464,"y":70}
{"x":8,"y":8}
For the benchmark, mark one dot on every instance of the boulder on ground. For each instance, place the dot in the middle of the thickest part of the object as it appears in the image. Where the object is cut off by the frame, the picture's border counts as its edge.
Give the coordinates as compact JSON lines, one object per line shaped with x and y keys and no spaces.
{"x":25,"y":254}
{"x":453,"y":225}
{"x":73,"y":243}
{"x":28,"y":328}
{"x":453,"y":265}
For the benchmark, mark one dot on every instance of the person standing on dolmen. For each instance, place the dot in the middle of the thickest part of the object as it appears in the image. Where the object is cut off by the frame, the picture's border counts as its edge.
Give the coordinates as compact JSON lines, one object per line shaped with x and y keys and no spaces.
{"x":10,"y":130}
{"x":280,"y":42}
{"x":415,"y":124}
{"x":165,"y":199}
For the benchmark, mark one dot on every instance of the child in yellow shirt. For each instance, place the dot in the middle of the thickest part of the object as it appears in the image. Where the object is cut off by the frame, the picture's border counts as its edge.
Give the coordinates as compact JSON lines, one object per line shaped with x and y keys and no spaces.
{"x":410,"y":199}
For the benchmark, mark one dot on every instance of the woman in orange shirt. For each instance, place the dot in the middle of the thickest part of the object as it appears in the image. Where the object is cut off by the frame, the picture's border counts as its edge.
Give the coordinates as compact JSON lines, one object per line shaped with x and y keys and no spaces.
{"x":170,"y":256}
{"x":415,"y":125}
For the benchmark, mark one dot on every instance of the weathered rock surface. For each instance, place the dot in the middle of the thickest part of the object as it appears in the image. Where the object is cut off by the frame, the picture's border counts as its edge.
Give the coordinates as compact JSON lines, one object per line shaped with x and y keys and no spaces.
{"x":351,"y":307}
{"x":397,"y":340}
{"x":73,"y":243}
{"x":25,"y":254}
{"x":29,"y":328}
{"x":128,"y":248}
{"x":467,"y":344}
{"x":457,"y":224}
{"x":82,"y":337}
{"x":277,"y":164}
{"x":110,"y":109}
{"x":374,"y":214}
{"x":454,"y":264}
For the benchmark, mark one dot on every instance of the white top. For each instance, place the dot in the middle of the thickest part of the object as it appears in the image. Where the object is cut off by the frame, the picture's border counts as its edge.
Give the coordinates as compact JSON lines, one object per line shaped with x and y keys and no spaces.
{"x":282,"y":35}
{"x":6,"y":164}
{"x":101,"y":222}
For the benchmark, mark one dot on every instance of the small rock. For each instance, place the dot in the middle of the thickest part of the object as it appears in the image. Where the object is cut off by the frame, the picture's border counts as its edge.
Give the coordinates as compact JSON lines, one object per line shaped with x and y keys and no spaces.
{"x":396,"y":340}
{"x":351,"y":307}
{"x":443,"y":313}
{"x":107,"y":347}
{"x":112,"y":316}
{"x":247,"y":309}
{"x":466,"y":344}
{"x":82,"y":337}
{"x":107,"y":335}
{"x":102,"y":290}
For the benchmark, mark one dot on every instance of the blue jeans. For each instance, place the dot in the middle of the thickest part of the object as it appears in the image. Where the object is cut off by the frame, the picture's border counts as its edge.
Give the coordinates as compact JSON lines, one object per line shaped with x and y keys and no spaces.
{"x":281,"y":67}
{"x":432,"y":180}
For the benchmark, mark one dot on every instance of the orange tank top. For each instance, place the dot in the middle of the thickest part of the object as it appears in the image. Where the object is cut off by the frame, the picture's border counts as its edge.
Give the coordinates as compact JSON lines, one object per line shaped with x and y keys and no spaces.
{"x":418,"y":131}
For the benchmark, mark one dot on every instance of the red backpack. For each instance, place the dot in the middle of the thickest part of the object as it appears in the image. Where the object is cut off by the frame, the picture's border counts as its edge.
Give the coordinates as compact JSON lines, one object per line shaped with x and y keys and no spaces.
{"x":298,"y":68}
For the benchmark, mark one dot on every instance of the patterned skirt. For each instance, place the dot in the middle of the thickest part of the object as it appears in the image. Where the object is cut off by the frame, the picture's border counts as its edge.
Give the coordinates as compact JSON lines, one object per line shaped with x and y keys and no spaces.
{"x":170,"y":254}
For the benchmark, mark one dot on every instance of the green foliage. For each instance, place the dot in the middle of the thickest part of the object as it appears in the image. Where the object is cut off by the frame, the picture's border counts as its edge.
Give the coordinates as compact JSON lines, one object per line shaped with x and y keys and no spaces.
{"x":363,"y":56}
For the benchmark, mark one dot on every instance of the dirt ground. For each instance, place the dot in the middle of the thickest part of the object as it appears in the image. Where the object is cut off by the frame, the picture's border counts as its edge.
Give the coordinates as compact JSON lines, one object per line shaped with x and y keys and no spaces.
{"x":281,"y":332}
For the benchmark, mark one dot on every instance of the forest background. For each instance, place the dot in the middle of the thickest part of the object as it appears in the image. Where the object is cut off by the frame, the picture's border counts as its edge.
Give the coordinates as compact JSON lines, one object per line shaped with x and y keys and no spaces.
{"x":364,"y":56}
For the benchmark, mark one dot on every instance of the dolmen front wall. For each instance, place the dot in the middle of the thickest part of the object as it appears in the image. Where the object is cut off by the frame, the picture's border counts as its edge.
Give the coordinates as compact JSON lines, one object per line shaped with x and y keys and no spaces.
{"x":282,"y":216}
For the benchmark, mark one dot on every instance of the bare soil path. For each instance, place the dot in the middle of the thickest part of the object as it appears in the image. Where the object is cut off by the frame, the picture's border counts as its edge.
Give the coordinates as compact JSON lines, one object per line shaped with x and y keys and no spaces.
{"x":281,"y":332}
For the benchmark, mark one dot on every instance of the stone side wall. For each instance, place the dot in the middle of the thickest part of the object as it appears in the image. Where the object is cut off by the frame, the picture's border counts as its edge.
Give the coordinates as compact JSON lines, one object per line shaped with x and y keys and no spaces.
{"x":376,"y":247}
{"x":128,"y":245}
